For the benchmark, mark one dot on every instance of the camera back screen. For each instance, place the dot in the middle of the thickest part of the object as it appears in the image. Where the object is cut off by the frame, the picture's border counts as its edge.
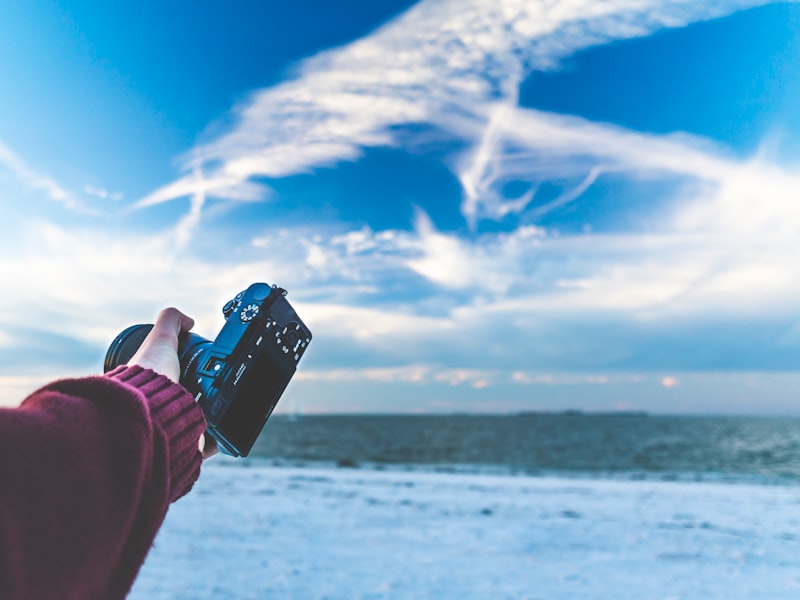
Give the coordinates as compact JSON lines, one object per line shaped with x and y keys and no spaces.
{"x":258,"y":393}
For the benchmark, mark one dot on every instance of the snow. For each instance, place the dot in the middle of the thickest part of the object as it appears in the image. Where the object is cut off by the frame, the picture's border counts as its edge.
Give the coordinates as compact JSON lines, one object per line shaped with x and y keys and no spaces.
{"x":281,"y":532}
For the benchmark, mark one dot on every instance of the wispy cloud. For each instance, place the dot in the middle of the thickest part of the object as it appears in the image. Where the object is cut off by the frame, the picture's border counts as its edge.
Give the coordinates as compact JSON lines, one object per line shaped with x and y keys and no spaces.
{"x":102,"y":193}
{"x":553,"y":304}
{"x":475,"y":378}
{"x":456,"y":65}
{"x":707,"y":261}
{"x":33,"y":180}
{"x":230,"y":187}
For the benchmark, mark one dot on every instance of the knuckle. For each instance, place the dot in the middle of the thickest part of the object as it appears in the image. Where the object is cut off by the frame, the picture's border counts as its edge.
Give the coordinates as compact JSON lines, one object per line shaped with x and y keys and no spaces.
{"x":169,"y":312}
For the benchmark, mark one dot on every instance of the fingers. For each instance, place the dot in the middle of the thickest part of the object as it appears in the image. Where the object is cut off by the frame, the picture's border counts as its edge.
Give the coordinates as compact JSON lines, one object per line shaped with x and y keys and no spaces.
{"x":171,"y":323}
{"x":159,"y":351}
{"x":207,"y":446}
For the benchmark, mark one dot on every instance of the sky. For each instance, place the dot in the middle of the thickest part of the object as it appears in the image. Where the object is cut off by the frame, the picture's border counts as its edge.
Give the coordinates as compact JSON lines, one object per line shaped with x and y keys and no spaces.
{"x":475,"y":206}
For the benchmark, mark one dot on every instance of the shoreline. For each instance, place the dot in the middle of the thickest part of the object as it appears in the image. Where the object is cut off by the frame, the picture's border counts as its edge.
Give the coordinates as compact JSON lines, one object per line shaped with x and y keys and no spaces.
{"x":345,"y":465}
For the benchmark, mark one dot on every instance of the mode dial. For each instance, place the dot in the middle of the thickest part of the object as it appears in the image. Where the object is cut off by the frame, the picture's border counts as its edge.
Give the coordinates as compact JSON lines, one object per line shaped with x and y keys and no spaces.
{"x":248,"y":312}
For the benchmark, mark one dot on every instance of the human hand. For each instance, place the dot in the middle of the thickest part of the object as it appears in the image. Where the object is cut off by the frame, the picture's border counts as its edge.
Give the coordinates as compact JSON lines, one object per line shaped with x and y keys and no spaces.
{"x":159,"y":352}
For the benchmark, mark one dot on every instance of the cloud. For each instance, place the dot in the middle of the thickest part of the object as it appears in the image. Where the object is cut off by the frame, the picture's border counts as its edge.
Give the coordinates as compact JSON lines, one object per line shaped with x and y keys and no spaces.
{"x":407,"y":374}
{"x":456,"y":65}
{"x":710,"y":256}
{"x":33,"y":180}
{"x":458,"y":68}
{"x":15,"y":388}
{"x":743,"y":195}
{"x":535,"y":304}
{"x":669,"y":381}
{"x":491,"y":262}
{"x":713,"y":285}
{"x":221,"y":186}
{"x":102,"y":193}
{"x":424,"y":375}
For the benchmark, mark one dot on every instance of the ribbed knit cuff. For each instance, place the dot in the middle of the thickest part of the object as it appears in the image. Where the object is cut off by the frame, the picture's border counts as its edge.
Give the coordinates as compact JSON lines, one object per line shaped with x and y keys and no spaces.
{"x":175,"y":412}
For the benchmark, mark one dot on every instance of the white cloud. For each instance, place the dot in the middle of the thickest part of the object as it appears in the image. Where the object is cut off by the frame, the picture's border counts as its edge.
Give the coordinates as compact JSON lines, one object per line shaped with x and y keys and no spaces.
{"x":226,"y":187}
{"x":492,"y":262}
{"x":669,"y":381}
{"x":745,"y":196}
{"x":102,"y":193}
{"x":90,"y":285}
{"x":728,"y":250}
{"x":14,"y":389}
{"x":454,"y":64}
{"x":383,"y":327}
{"x":407,"y":374}
{"x":458,"y":66}
{"x":533,"y":378}
{"x":504,"y":299}
{"x":425,"y":375}
{"x":33,"y":180}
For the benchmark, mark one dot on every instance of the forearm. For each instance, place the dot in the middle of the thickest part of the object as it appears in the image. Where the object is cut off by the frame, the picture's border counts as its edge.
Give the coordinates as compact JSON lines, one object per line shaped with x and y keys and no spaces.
{"x":90,"y":467}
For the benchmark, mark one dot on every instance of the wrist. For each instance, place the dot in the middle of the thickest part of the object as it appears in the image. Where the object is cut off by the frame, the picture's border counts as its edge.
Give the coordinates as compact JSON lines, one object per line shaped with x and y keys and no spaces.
{"x":175,"y":416}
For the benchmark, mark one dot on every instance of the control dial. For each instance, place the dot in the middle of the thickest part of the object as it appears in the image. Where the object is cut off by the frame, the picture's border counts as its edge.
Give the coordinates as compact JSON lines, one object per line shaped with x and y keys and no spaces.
{"x":248,"y":312}
{"x":230,"y":308}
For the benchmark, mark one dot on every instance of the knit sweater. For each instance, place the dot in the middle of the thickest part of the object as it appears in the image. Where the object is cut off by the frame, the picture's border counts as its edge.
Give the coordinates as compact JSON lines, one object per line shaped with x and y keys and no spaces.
{"x":88,"y":468}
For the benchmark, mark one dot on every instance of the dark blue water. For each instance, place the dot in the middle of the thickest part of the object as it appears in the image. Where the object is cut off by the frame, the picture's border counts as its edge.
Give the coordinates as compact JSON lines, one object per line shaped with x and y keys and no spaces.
{"x":629,"y":446}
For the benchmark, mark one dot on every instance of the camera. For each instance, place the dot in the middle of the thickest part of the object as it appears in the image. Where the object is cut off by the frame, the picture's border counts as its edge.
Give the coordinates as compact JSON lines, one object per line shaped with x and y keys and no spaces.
{"x":238,"y":378}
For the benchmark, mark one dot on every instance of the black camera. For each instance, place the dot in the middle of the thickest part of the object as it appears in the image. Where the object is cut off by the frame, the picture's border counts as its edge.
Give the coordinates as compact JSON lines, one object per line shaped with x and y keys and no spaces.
{"x":238,"y":378}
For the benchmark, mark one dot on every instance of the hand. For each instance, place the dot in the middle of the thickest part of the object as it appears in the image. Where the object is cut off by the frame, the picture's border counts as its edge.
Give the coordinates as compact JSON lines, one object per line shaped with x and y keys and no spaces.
{"x":159,"y":352}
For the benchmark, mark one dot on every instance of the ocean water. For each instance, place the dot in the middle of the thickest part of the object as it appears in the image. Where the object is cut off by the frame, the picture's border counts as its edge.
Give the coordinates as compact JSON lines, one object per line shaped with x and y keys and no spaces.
{"x":549,"y":506}
{"x":758,"y":449}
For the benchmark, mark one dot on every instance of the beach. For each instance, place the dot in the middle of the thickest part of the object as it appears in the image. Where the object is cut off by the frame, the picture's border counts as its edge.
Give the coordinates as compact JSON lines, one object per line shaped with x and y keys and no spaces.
{"x":253,"y":530}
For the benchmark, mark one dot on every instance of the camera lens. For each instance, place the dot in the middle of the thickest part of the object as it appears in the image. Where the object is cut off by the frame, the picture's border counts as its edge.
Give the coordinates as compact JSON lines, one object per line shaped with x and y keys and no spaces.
{"x":191,"y":355}
{"x":127,"y":343}
{"x":125,"y":346}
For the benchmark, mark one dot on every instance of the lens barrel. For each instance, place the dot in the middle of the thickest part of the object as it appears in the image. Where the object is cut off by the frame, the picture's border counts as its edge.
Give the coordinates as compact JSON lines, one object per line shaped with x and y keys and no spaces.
{"x":127,"y":343}
{"x":125,"y":346}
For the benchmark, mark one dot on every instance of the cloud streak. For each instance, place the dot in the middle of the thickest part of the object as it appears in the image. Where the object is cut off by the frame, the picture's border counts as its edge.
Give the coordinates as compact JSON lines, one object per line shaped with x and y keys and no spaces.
{"x":33,"y":180}
{"x":476,"y":378}
{"x":453,"y":64}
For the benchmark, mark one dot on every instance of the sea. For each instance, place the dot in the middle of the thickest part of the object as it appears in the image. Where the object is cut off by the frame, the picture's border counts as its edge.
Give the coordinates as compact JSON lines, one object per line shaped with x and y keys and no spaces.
{"x":616,"y":445}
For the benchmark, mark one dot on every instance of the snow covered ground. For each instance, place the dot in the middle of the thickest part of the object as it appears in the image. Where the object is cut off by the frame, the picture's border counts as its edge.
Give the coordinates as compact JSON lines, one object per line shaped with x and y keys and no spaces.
{"x":279,"y":532}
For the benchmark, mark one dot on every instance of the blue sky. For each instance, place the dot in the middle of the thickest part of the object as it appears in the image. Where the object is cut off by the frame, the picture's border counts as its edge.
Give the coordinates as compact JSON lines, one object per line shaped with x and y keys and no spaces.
{"x":475,"y":206}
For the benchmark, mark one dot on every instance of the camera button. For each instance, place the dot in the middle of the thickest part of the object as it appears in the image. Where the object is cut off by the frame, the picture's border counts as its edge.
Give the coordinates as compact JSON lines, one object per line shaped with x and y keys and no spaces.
{"x":260,"y":292}
{"x":214,"y":365}
{"x":230,"y":308}
{"x":215,"y":408}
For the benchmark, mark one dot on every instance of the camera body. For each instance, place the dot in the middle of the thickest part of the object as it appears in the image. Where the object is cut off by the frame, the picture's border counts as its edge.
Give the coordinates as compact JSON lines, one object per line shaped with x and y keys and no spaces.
{"x":239,"y":377}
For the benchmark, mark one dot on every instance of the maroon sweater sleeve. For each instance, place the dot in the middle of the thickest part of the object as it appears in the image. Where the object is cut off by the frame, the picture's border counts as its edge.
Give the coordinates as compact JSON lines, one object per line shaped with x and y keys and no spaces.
{"x":88,"y":468}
